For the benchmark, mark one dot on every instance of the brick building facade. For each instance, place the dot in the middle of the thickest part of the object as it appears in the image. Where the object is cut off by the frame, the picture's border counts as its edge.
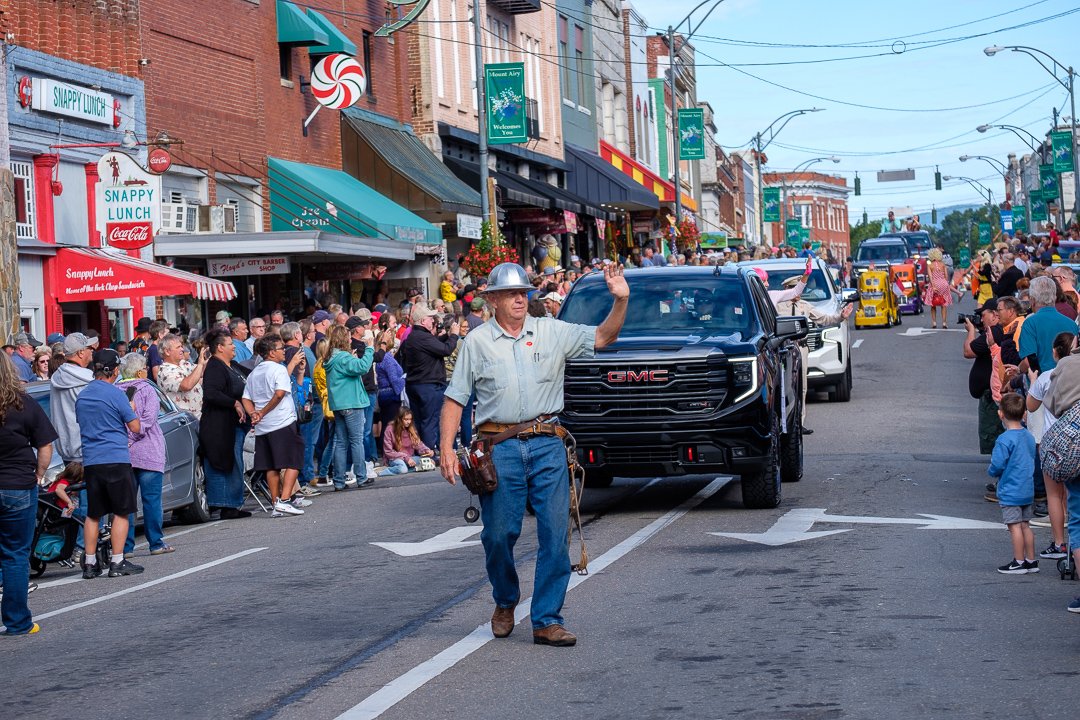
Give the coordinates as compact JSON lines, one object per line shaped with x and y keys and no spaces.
{"x":820,"y":201}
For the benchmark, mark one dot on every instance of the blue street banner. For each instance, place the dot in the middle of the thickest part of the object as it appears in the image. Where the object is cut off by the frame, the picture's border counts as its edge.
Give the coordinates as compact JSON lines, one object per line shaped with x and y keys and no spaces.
{"x":770,"y":198}
{"x":691,"y":134}
{"x":1061,"y":142}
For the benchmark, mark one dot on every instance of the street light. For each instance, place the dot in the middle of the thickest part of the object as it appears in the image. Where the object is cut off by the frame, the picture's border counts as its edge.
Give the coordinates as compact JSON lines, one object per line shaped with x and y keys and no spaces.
{"x":975,"y":184}
{"x":994,"y":162}
{"x":786,"y":117}
{"x":783,"y":183}
{"x":1071,"y":87}
{"x":1031,"y":141}
{"x":671,"y":91}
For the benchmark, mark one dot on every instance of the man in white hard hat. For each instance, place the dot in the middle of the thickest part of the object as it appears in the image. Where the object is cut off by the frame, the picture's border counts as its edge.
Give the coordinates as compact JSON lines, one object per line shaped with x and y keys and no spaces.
{"x":514,"y":365}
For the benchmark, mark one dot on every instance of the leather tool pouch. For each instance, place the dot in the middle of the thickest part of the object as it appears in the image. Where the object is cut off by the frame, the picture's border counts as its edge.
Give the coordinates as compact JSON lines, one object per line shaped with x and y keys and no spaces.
{"x":477,"y":469}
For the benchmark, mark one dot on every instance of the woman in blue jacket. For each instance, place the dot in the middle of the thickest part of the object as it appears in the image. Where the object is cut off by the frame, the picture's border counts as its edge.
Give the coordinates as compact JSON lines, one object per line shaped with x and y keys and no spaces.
{"x":347,"y":398}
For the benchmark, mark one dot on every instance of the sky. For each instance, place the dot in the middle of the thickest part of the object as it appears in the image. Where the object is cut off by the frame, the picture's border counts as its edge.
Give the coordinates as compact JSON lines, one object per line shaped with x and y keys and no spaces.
{"x":911,"y":73}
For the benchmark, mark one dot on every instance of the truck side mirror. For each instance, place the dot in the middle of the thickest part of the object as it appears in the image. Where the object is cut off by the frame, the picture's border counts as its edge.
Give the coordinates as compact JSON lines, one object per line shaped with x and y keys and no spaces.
{"x":794,"y":327}
{"x":849,"y":295}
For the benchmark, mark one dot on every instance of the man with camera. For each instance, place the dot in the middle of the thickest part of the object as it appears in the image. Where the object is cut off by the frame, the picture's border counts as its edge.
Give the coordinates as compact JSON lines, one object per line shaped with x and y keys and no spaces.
{"x":983,"y":331}
{"x":422,"y":356}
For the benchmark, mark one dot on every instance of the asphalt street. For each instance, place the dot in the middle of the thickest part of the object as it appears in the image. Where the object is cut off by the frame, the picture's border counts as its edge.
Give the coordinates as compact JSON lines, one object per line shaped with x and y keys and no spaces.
{"x":855,"y":611}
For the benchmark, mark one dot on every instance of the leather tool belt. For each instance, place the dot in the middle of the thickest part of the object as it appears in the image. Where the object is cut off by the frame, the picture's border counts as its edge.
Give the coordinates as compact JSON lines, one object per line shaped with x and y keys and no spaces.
{"x":495,"y":433}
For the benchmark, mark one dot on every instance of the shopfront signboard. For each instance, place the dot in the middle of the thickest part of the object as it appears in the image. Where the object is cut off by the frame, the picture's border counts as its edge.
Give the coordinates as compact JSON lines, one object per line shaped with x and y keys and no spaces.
{"x":83,"y":103}
{"x":243,"y":266}
{"x":469,"y":226}
{"x":128,"y":202}
{"x":691,"y":134}
{"x":504,"y":85}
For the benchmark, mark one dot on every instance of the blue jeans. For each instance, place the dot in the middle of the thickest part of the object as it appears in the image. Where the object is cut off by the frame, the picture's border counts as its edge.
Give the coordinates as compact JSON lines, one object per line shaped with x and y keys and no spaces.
{"x":397,"y":466}
{"x":309,"y":431}
{"x":18,"y":515}
{"x":371,"y":451}
{"x":327,"y":451}
{"x":532,"y":469}
{"x":426,"y":400}
{"x":226,"y":489}
{"x":149,"y":483}
{"x":1073,"y":524}
{"x":348,"y":436}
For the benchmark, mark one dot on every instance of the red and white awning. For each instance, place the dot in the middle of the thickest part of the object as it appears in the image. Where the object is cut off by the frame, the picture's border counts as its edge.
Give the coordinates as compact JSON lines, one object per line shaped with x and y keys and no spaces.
{"x":96,"y":274}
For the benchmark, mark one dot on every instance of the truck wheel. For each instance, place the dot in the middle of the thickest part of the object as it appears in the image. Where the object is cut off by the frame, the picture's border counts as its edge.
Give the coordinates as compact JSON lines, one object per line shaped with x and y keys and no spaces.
{"x":791,"y":449}
{"x":762,"y":488}
{"x":598,"y":478}
{"x":842,"y":393}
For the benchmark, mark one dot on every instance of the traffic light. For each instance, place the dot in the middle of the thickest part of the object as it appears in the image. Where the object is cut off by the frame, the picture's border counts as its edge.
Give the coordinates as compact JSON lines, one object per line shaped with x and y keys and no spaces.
{"x":937,"y":179}
{"x":865,"y":217}
{"x":858,"y":185}
{"x":933,"y":215}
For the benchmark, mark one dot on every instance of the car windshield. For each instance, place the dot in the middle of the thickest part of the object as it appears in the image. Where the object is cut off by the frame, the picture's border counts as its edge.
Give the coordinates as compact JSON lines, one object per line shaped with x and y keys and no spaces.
{"x":890,"y":252}
{"x":705,"y":305}
{"x":919,"y":243}
{"x":817,"y":287}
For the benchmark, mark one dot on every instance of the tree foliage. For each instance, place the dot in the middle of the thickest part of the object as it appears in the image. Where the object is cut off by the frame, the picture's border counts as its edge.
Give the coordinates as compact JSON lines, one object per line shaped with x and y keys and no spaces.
{"x":962,"y":228}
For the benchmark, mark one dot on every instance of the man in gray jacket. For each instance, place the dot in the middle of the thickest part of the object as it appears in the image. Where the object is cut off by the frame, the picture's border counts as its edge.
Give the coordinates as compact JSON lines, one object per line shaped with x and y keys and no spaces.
{"x":67,"y":382}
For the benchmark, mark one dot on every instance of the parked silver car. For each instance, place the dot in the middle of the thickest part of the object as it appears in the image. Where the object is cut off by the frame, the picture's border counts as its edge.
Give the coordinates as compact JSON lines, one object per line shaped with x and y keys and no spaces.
{"x":184,"y":487}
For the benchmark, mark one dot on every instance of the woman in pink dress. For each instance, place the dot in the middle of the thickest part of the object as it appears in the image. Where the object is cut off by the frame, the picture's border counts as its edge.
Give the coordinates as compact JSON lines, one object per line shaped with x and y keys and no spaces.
{"x":938,"y":291}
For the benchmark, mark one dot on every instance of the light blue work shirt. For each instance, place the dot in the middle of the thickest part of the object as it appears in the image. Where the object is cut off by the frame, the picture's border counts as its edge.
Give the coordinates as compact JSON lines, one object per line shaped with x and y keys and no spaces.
{"x":517,"y":378}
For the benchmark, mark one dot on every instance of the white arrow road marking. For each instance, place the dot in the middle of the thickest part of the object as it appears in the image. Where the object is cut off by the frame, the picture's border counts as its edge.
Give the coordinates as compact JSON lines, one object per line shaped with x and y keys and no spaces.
{"x":856,"y":344}
{"x":792,"y":527}
{"x":795,"y":525}
{"x":401,"y":687}
{"x":450,"y":540}
{"x":919,"y":331}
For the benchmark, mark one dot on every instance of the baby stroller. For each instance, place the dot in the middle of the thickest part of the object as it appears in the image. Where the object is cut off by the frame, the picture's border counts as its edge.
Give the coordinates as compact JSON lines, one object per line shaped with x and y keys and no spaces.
{"x":55,"y":533}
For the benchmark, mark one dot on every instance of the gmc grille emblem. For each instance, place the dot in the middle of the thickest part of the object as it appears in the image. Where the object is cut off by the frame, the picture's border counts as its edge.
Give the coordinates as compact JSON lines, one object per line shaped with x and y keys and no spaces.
{"x":635,"y":376}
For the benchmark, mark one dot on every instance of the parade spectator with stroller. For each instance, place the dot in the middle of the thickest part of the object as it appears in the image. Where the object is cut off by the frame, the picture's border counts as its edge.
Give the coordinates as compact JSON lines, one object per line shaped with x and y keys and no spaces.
{"x":26,"y":437}
{"x":105,"y":416}
{"x":147,"y":449}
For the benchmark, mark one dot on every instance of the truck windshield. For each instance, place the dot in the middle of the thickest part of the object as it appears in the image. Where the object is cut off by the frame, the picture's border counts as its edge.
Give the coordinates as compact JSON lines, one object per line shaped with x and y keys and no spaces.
{"x":890,"y":252}
{"x":704,"y":305}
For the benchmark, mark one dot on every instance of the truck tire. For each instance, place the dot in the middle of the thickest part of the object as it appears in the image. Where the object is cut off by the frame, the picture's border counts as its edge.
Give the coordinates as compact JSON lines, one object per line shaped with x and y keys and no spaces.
{"x":842,"y":392}
{"x":598,"y":478}
{"x":791,"y":449}
{"x":761,"y":489}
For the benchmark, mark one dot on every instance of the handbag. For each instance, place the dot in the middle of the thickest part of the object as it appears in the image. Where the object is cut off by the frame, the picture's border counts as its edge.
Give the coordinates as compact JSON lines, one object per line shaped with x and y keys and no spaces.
{"x":1060,"y":447}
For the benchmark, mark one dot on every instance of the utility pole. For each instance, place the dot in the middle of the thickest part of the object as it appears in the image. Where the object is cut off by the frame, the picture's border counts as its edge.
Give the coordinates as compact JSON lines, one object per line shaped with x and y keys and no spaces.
{"x":9,"y":244}
{"x":675,"y":125}
{"x":481,"y":115}
{"x":758,"y":201}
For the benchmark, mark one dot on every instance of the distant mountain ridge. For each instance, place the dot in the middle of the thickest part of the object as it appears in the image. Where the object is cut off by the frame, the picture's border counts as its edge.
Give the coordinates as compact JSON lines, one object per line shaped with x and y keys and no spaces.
{"x":925,"y":215}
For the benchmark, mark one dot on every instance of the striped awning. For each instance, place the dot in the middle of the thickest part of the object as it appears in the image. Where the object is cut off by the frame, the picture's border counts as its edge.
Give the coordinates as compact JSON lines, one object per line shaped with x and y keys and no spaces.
{"x":98,"y":274}
{"x":664,"y":190}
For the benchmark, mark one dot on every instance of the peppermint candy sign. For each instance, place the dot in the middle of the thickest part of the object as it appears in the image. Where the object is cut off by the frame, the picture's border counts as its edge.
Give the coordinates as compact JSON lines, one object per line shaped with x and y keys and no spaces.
{"x":338,"y":81}
{"x":129,"y":235}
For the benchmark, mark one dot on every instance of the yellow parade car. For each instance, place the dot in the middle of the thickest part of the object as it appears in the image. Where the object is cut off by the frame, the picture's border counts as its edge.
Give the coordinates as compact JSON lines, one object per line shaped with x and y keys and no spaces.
{"x":877,"y":302}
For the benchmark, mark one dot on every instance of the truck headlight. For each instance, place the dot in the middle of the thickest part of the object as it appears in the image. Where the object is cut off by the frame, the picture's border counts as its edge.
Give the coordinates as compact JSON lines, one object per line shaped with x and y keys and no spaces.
{"x":745,"y":373}
{"x":833,"y":335}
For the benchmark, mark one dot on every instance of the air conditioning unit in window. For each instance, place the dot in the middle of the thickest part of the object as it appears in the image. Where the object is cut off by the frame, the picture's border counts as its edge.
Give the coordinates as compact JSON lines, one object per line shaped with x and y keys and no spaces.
{"x":217,"y":219}
{"x":179,"y":217}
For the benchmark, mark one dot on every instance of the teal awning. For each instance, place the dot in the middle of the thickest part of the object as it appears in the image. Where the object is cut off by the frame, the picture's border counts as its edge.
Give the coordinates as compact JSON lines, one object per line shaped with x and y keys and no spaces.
{"x":339,"y":41}
{"x":294,"y":27}
{"x":309,"y":197}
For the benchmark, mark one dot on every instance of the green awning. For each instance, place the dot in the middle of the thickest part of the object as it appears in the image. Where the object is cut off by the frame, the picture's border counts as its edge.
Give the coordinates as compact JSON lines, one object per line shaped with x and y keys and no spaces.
{"x":294,"y":27}
{"x":309,"y":197}
{"x":339,"y":42}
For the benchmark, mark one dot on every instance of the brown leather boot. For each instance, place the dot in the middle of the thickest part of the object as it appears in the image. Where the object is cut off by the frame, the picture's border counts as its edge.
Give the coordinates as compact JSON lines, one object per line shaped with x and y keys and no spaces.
{"x":502,"y":622}
{"x":555,"y":635}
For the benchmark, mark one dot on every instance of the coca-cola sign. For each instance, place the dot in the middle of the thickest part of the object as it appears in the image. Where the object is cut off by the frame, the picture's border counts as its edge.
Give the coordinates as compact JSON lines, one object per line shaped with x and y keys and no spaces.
{"x":129,"y":235}
{"x":159,"y":160}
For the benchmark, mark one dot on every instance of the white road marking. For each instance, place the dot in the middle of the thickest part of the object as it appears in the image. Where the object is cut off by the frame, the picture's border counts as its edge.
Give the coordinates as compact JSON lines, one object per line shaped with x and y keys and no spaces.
{"x":401,"y":687}
{"x":450,"y":540}
{"x":794,"y":526}
{"x":144,"y":586}
{"x":203,"y":526}
{"x":857,"y":343}
{"x":70,"y":580}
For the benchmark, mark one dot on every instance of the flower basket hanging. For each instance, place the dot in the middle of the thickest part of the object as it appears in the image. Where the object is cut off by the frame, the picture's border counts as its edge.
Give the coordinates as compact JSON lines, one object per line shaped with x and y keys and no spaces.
{"x":488,"y":252}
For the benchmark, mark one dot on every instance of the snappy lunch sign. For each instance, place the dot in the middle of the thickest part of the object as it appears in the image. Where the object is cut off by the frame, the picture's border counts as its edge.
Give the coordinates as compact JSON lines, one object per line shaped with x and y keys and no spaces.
{"x":128,"y":202}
